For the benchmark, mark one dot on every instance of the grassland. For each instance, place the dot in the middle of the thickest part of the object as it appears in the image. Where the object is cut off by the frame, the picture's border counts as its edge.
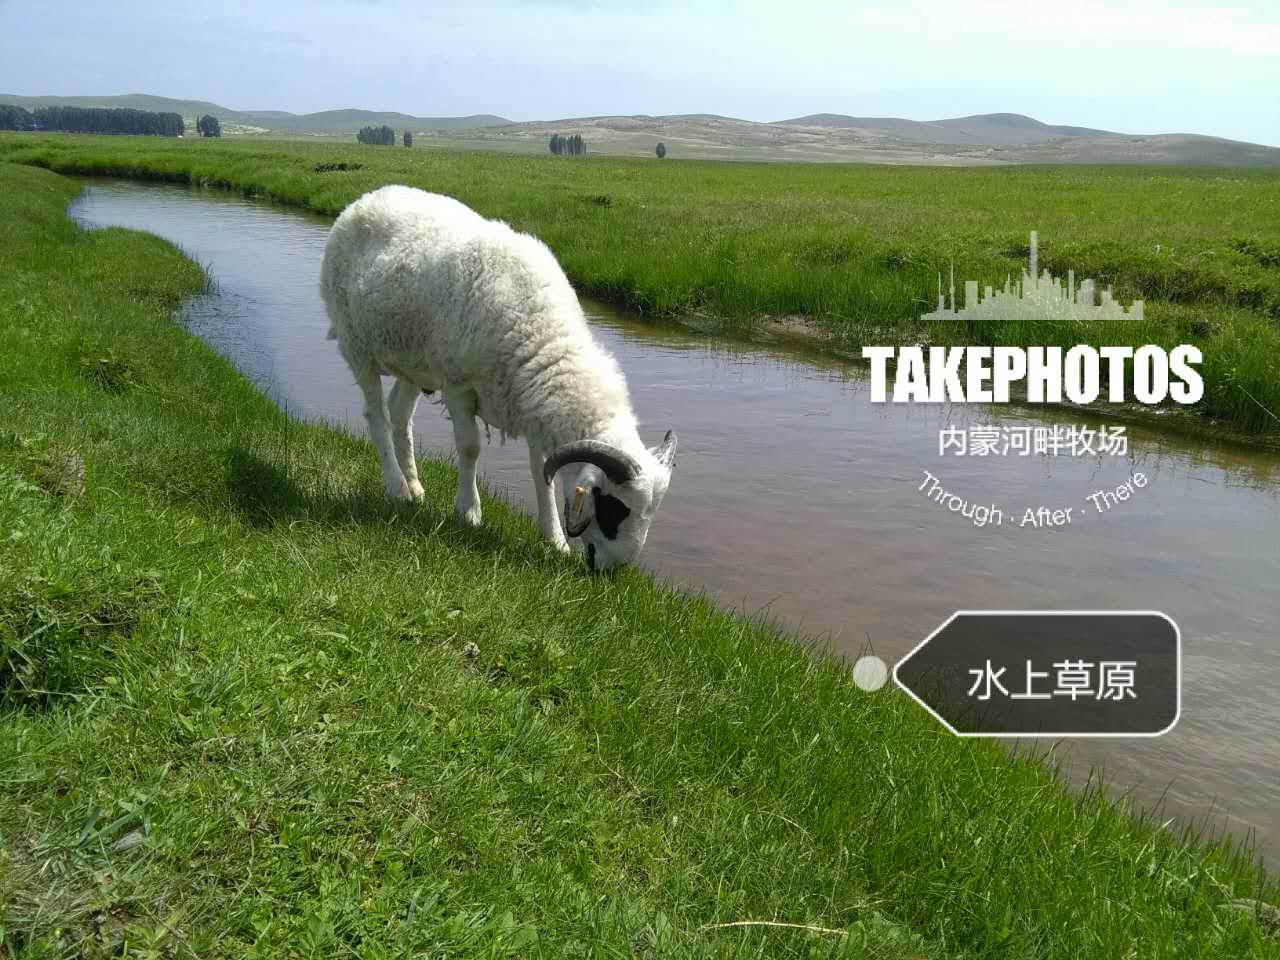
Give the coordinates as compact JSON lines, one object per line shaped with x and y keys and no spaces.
{"x":241,"y":714}
{"x":854,"y":250}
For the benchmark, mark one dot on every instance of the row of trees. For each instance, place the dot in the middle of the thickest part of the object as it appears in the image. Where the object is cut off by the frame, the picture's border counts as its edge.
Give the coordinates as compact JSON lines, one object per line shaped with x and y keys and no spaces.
{"x":91,"y":120}
{"x":15,"y":118}
{"x":383,"y":136}
{"x":572,"y":145}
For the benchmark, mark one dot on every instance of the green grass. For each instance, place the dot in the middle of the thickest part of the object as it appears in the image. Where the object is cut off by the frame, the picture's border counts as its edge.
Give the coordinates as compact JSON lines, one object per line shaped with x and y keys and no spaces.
{"x":857,"y":248}
{"x":239,"y":715}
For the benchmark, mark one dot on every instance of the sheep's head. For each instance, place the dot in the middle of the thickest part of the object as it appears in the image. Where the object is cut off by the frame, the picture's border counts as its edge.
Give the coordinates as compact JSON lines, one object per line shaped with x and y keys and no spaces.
{"x":613,"y":498}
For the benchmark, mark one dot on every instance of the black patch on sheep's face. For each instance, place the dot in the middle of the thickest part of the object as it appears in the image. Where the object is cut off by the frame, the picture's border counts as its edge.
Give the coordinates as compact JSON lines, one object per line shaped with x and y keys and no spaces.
{"x":610,"y":512}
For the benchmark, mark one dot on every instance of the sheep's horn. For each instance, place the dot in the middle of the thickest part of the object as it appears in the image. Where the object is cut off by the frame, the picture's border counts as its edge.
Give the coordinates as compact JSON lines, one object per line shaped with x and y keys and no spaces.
{"x":618,"y":466}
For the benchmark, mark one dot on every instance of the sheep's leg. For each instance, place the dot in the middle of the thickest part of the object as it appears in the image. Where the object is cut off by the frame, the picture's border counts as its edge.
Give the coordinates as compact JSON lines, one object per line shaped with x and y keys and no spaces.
{"x":401,"y":403}
{"x":466,"y":437}
{"x":548,"y":511}
{"x":375,"y":412}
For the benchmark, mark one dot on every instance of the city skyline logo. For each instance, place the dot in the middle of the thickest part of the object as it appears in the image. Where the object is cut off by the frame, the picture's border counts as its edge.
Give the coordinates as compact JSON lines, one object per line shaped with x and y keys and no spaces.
{"x":1036,"y":295}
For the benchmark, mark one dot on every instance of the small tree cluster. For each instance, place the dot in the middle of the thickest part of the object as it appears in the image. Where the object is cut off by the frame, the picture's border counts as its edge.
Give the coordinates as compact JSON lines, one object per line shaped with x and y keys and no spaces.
{"x":382,"y":136}
{"x":572,"y":145}
{"x":209,"y":126}
{"x":661,"y":150}
{"x":408,"y":139}
{"x":103,"y":120}
{"x":15,"y":118}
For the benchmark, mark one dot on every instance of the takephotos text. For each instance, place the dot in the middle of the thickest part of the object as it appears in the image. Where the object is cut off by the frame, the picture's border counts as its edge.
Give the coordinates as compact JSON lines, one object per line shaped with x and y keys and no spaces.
{"x":1149,"y":374}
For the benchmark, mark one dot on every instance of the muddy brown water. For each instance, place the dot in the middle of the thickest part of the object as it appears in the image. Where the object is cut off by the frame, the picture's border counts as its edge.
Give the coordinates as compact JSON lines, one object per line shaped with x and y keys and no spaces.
{"x":797,"y":499}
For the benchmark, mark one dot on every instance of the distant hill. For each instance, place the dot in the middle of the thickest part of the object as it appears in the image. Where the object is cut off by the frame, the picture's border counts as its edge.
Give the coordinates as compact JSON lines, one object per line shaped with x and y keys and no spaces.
{"x":327,"y":121}
{"x":340,"y":121}
{"x":981,"y":140}
{"x":986,"y":129}
{"x":986,"y":139}
{"x":1165,"y":148}
{"x":129,"y":101}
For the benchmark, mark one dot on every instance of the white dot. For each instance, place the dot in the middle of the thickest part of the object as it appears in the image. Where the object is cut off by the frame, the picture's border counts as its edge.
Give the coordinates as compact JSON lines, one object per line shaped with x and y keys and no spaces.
{"x":870,"y":673}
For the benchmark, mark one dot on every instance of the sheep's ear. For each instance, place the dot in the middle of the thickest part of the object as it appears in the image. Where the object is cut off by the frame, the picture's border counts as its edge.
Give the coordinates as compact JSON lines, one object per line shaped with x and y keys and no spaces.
{"x":666,"y":451}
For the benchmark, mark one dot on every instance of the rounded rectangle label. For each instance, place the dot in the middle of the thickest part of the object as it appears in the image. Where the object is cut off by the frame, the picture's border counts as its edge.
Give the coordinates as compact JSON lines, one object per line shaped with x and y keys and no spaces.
{"x":1054,"y":673}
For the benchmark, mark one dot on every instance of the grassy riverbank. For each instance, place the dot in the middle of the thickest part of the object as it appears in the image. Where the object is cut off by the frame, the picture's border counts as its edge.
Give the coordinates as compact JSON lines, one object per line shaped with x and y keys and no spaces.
{"x":239,"y":714}
{"x":854,"y":249}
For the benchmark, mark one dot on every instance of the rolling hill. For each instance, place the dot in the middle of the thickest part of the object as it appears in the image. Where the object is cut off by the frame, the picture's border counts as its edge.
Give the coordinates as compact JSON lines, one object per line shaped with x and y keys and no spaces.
{"x":987,"y":129}
{"x":347,"y":121}
{"x":128,"y":101}
{"x":982,"y":140}
{"x":326,"y":121}
{"x":978,"y":140}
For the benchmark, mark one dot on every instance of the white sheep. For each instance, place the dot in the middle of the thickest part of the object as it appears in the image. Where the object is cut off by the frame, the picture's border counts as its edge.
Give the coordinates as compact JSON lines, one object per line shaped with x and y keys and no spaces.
{"x":422,"y":288}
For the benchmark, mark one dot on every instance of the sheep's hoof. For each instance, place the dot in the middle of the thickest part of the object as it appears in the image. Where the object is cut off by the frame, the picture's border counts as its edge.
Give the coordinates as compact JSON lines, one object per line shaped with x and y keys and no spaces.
{"x":415,"y":491}
{"x":406,"y":493}
{"x":469,"y":515}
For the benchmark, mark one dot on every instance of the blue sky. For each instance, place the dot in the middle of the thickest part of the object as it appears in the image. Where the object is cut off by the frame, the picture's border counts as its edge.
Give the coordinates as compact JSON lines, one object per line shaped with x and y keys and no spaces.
{"x":1139,"y":66}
